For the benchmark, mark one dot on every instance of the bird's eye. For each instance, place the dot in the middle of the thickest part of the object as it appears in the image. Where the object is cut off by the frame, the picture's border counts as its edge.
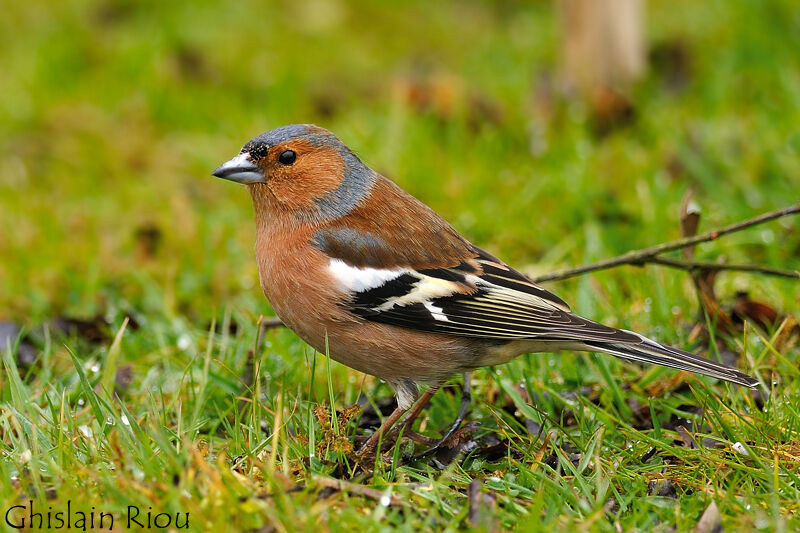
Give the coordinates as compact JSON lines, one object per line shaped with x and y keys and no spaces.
{"x":287,"y":157}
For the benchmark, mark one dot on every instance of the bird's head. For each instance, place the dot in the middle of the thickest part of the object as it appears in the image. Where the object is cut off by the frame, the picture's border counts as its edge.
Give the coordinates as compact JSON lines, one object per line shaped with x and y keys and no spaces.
{"x":304,"y":167}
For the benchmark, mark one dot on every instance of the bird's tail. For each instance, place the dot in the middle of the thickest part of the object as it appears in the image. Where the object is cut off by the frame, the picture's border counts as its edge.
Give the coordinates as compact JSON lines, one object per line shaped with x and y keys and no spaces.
{"x":649,"y":351}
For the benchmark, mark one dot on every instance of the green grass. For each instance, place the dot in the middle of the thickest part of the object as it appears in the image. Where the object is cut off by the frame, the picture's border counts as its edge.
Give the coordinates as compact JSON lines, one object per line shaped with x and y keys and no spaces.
{"x":114,"y":113}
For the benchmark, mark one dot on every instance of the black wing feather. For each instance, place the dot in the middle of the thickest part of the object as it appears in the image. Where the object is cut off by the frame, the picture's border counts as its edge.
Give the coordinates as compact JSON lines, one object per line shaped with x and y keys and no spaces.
{"x":491,"y":301}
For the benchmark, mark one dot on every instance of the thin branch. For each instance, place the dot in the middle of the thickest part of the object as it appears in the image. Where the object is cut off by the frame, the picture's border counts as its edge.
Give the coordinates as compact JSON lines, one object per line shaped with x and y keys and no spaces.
{"x":384,"y":497}
{"x":640,"y":257}
{"x":708,"y":265}
{"x":271,"y":322}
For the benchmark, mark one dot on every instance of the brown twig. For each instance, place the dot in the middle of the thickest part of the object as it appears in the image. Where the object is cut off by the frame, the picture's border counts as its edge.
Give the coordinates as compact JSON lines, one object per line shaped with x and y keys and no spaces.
{"x":359,"y":490}
{"x":271,"y":322}
{"x":709,"y":265}
{"x":645,"y":255}
{"x":263,"y":325}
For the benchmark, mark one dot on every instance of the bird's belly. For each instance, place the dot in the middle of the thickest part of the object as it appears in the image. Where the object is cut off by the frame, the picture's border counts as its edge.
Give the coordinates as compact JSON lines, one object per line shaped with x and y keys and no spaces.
{"x":308,"y":300}
{"x":388,"y":352}
{"x":310,"y":311}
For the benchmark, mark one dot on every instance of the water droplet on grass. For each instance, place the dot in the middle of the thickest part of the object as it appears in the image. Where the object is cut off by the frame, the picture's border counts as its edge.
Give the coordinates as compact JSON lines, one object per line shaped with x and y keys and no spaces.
{"x":738,"y":447}
{"x":184,"y":341}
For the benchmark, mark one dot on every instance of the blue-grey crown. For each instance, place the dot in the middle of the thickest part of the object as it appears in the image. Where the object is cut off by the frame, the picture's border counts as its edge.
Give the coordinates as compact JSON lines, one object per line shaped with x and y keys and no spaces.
{"x":307,"y":132}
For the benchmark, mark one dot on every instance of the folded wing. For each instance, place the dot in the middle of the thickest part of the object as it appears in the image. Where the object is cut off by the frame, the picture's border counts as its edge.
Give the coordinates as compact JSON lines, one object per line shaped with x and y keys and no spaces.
{"x":481,"y":297}
{"x":484,"y":298}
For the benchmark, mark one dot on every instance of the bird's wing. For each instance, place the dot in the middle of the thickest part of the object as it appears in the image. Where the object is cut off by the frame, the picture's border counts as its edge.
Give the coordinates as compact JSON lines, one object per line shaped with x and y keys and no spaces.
{"x":480,"y":297}
{"x":486,"y":298}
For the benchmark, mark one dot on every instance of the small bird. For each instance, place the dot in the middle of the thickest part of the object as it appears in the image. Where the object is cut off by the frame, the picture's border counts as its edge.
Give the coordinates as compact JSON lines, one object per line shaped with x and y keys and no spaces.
{"x":365,"y":272}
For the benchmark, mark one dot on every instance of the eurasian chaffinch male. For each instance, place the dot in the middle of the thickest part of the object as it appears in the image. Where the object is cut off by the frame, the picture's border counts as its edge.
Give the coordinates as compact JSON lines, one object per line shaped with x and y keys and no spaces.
{"x":361,"y":269}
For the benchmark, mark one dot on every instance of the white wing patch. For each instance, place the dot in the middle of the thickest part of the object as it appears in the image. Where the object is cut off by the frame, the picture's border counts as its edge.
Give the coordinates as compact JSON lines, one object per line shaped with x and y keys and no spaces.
{"x":357,"y":279}
{"x":495,"y":302}
{"x":427,"y":288}
{"x":436,"y":312}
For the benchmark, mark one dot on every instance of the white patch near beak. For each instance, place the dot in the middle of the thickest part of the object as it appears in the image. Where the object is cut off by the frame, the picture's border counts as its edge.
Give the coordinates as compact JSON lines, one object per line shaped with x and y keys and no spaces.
{"x":241,"y":170}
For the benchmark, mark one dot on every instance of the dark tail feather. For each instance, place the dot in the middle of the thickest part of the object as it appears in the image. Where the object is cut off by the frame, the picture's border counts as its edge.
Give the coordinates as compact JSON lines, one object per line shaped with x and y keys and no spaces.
{"x":649,"y":351}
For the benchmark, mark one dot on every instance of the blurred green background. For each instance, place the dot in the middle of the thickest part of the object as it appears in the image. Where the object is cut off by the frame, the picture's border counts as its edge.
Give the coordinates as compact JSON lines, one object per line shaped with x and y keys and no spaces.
{"x":113,"y":113}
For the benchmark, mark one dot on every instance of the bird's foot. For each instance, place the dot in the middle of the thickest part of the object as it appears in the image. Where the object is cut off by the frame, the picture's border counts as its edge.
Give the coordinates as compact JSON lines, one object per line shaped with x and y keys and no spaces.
{"x":436,"y":445}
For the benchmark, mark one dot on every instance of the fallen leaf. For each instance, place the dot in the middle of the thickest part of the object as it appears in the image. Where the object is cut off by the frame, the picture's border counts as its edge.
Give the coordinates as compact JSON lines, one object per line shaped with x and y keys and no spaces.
{"x":26,"y":354}
{"x":611,"y":110}
{"x":664,"y":488}
{"x":94,"y":329}
{"x":123,"y":378}
{"x":760,"y":314}
{"x":687,"y":440}
{"x":459,"y":443}
{"x":482,"y":506}
{"x":710,"y":521}
{"x":689,"y":218}
{"x":148,"y":240}
{"x":671,"y":62}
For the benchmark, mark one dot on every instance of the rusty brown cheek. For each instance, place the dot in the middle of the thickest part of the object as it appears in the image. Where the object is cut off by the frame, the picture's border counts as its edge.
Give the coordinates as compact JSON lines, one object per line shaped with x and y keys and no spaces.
{"x":317,"y":172}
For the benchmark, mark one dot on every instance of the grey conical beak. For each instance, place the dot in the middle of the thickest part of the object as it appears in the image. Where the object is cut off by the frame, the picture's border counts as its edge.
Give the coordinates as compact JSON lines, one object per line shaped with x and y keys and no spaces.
{"x":241,"y":170}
